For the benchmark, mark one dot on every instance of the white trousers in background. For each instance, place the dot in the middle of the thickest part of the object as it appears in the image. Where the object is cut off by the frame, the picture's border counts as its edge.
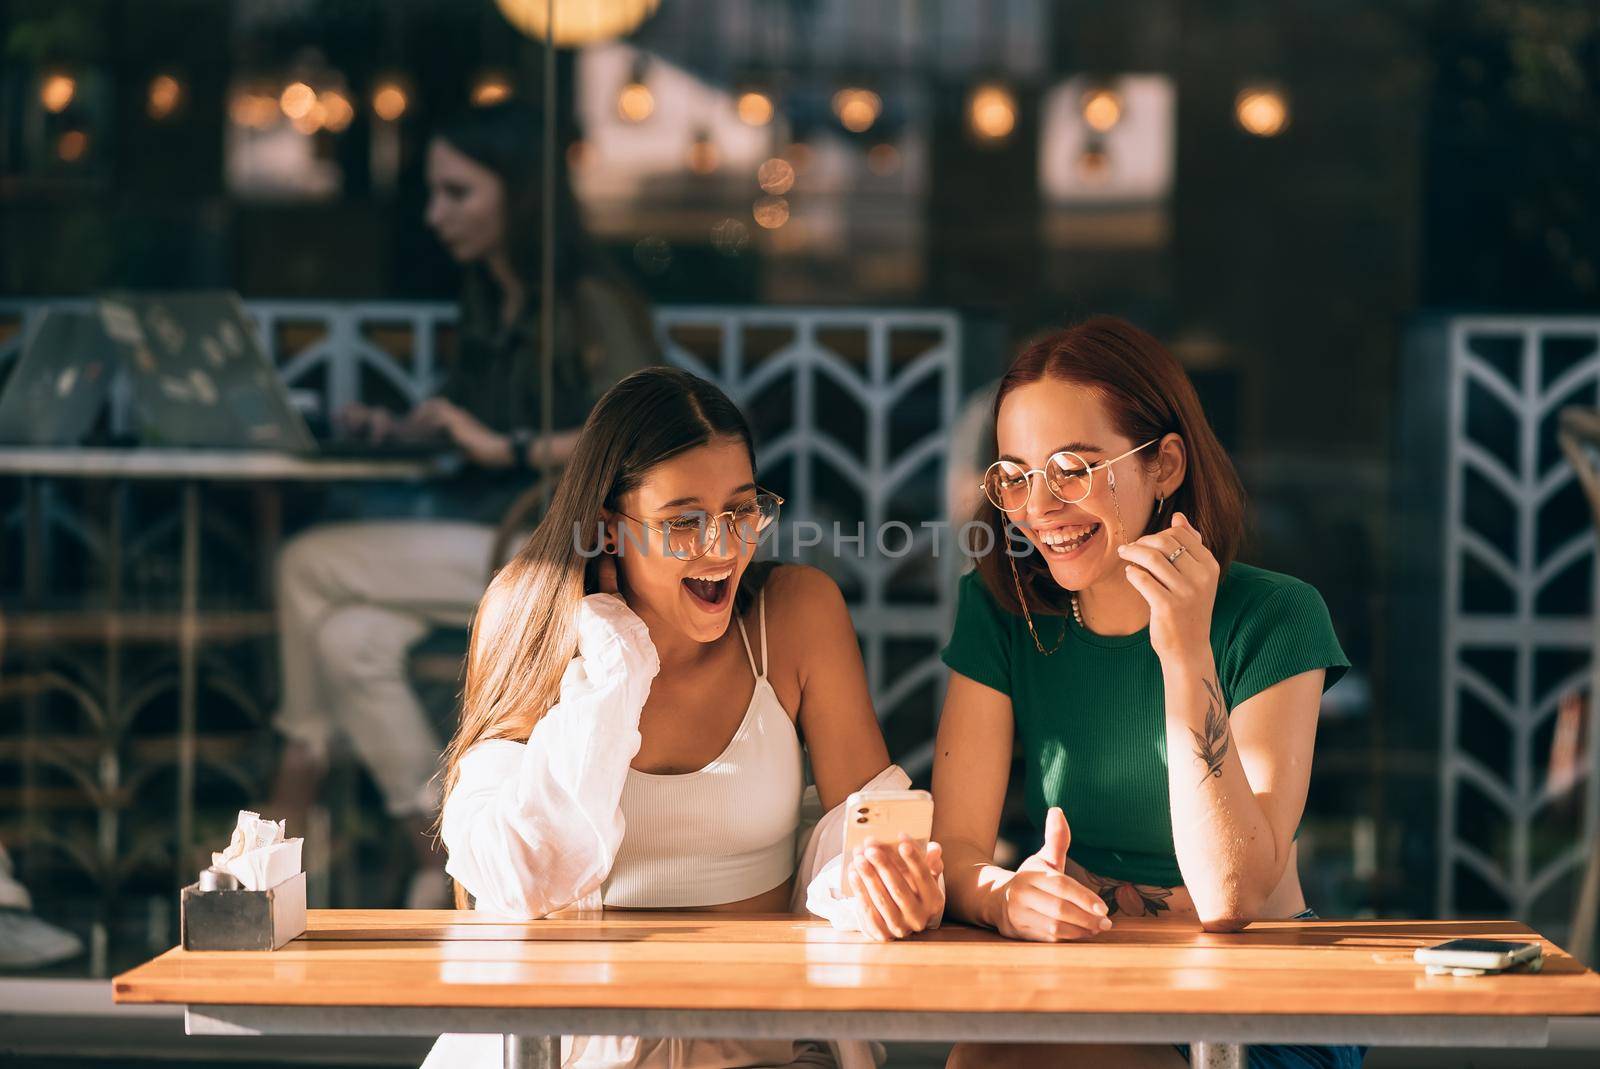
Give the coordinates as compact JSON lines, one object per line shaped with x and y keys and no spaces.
{"x":352,"y":600}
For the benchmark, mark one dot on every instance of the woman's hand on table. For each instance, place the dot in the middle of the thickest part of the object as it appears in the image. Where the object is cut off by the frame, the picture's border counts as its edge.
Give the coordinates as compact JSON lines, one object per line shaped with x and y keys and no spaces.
{"x":483,"y":446}
{"x":1041,"y":903}
{"x":897,"y":887}
{"x":371,"y":422}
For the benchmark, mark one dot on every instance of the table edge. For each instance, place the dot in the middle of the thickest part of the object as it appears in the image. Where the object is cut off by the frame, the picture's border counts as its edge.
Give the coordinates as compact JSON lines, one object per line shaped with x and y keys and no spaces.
{"x":889,"y":1026}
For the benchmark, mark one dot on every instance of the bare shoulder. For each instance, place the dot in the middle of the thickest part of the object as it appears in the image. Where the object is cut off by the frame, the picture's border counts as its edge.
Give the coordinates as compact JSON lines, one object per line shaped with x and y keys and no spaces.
{"x":808,"y":625}
{"x":799,"y":595}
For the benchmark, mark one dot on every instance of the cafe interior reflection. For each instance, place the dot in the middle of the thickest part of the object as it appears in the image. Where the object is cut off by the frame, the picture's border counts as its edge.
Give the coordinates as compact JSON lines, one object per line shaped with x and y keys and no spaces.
{"x":239,"y":285}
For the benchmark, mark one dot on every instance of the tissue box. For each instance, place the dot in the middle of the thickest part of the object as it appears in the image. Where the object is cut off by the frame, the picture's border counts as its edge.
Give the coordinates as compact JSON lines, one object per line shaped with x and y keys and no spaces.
{"x":244,"y":920}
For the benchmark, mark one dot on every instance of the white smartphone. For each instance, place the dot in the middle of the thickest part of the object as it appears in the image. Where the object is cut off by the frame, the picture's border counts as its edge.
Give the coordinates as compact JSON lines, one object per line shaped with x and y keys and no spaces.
{"x":885,"y":816}
{"x":1484,"y":955}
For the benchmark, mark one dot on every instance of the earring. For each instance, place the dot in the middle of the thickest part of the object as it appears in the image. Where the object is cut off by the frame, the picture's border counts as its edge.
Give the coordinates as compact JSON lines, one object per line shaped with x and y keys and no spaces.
{"x":1161,"y":503}
{"x":610,"y":545}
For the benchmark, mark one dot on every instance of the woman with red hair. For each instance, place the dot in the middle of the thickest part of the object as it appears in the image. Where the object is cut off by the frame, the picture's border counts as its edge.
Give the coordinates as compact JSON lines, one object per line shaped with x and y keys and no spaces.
{"x":1165,"y":696}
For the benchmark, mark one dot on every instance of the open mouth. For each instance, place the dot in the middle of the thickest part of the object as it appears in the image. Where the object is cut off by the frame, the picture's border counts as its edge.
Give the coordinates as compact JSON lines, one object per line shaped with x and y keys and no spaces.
{"x":1065,"y":542}
{"x":710,"y":592}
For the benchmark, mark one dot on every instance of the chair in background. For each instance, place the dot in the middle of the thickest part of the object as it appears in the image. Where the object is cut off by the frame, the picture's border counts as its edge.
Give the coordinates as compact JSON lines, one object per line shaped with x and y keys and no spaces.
{"x":437,"y":669}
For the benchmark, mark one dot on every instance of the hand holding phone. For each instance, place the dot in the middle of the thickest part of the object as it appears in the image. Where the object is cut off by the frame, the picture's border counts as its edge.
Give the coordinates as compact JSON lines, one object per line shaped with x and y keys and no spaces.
{"x":889,"y":866}
{"x":887,"y":815}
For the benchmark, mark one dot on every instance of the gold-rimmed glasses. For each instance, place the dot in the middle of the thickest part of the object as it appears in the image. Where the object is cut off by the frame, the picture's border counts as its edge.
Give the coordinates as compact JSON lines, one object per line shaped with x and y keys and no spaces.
{"x":1069,"y":478}
{"x":690,"y":535}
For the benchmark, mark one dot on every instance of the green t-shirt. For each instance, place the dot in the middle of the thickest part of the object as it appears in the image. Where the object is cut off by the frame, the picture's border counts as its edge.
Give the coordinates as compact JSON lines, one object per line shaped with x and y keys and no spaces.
{"x":1092,"y":716}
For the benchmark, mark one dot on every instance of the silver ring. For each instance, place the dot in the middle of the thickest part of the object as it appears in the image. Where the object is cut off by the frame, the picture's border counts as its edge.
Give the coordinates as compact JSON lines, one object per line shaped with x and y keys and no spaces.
{"x":1172,"y":558}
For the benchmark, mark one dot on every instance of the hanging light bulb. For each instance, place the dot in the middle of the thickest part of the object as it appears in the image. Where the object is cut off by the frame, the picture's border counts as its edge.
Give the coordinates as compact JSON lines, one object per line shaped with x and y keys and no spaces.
{"x":1102,"y":109}
{"x":491,"y":88}
{"x":337,"y":110}
{"x":857,"y":109}
{"x":297,"y":100}
{"x":992,"y":112}
{"x":635,"y":101}
{"x":164,"y":96}
{"x":389,"y":101}
{"x":578,"y":22}
{"x":56,"y":92}
{"x":755,"y":107}
{"x":1262,"y":111}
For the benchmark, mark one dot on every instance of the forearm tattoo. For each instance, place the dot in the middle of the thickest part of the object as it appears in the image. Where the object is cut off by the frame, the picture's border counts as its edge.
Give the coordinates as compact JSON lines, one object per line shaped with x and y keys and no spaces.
{"x":1129,"y":899}
{"x":1211,"y":743}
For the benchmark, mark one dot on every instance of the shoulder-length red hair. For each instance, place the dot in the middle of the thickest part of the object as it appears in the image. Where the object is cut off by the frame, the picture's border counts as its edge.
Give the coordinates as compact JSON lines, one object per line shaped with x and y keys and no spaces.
{"x":1148,"y":395}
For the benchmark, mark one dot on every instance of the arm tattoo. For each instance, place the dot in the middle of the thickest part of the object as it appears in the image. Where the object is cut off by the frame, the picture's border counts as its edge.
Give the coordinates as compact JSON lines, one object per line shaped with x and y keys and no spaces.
{"x":1129,"y":899}
{"x":1211,"y":745}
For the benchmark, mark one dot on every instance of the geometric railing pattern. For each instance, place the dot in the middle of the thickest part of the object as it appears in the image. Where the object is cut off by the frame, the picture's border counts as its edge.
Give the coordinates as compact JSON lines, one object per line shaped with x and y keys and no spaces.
{"x":358,"y":351}
{"x":1518,"y":799}
{"x":852,"y":411}
{"x":852,"y":408}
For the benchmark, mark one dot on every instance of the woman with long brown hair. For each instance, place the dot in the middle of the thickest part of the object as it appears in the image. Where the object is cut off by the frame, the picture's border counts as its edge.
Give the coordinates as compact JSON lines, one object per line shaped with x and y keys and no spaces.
{"x":354,"y":597}
{"x":1165,"y":696}
{"x":637,"y":694}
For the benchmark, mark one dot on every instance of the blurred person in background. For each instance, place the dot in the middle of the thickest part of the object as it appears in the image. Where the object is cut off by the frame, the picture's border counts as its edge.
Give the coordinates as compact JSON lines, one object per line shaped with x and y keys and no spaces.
{"x":353,"y":598}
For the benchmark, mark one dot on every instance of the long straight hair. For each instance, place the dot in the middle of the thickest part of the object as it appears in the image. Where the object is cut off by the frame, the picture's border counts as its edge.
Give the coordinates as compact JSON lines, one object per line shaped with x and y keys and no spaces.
{"x":508,"y":139}
{"x":1148,"y":395}
{"x":523,"y":634}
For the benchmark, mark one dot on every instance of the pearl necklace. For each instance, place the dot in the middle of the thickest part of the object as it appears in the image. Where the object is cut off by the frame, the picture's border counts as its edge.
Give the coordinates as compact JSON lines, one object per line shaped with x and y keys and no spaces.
{"x":1077,"y":613}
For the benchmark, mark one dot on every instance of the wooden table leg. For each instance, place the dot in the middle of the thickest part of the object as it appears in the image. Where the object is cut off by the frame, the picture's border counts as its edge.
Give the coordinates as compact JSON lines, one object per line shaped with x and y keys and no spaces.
{"x":1211,"y":1056}
{"x":532,"y":1052}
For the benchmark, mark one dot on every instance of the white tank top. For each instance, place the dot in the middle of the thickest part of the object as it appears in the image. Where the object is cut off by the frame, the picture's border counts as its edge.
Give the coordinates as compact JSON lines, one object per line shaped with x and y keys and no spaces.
{"x":725,"y":832}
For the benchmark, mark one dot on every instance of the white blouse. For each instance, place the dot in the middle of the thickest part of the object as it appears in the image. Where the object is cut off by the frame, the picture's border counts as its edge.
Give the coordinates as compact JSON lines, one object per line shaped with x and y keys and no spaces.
{"x":533,"y":828}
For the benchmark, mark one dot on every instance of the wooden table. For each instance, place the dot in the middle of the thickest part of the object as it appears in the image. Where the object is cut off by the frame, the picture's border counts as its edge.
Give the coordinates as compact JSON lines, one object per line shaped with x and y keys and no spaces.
{"x":400,"y":972}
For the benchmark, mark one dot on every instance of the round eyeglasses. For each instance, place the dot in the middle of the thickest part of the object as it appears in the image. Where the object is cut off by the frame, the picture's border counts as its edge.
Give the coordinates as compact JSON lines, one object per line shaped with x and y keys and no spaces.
{"x":1069,"y":477}
{"x":691,"y":535}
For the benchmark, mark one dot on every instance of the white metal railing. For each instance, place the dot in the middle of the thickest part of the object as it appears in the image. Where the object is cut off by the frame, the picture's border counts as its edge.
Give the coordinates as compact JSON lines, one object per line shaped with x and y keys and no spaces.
{"x":1508,"y":378}
{"x":333,"y":353}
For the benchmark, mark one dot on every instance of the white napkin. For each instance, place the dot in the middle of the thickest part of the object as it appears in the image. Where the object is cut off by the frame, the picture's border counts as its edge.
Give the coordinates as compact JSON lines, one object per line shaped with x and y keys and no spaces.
{"x":258,"y":854}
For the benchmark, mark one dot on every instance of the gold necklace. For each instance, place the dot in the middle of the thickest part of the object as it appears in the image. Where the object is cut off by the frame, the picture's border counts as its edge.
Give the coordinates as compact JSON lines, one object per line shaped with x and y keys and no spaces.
{"x":1028,"y":616}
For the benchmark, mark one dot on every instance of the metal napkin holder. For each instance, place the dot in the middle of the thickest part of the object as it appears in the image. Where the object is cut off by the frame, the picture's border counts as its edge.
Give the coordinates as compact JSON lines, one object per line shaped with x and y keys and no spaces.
{"x":216,"y":914}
